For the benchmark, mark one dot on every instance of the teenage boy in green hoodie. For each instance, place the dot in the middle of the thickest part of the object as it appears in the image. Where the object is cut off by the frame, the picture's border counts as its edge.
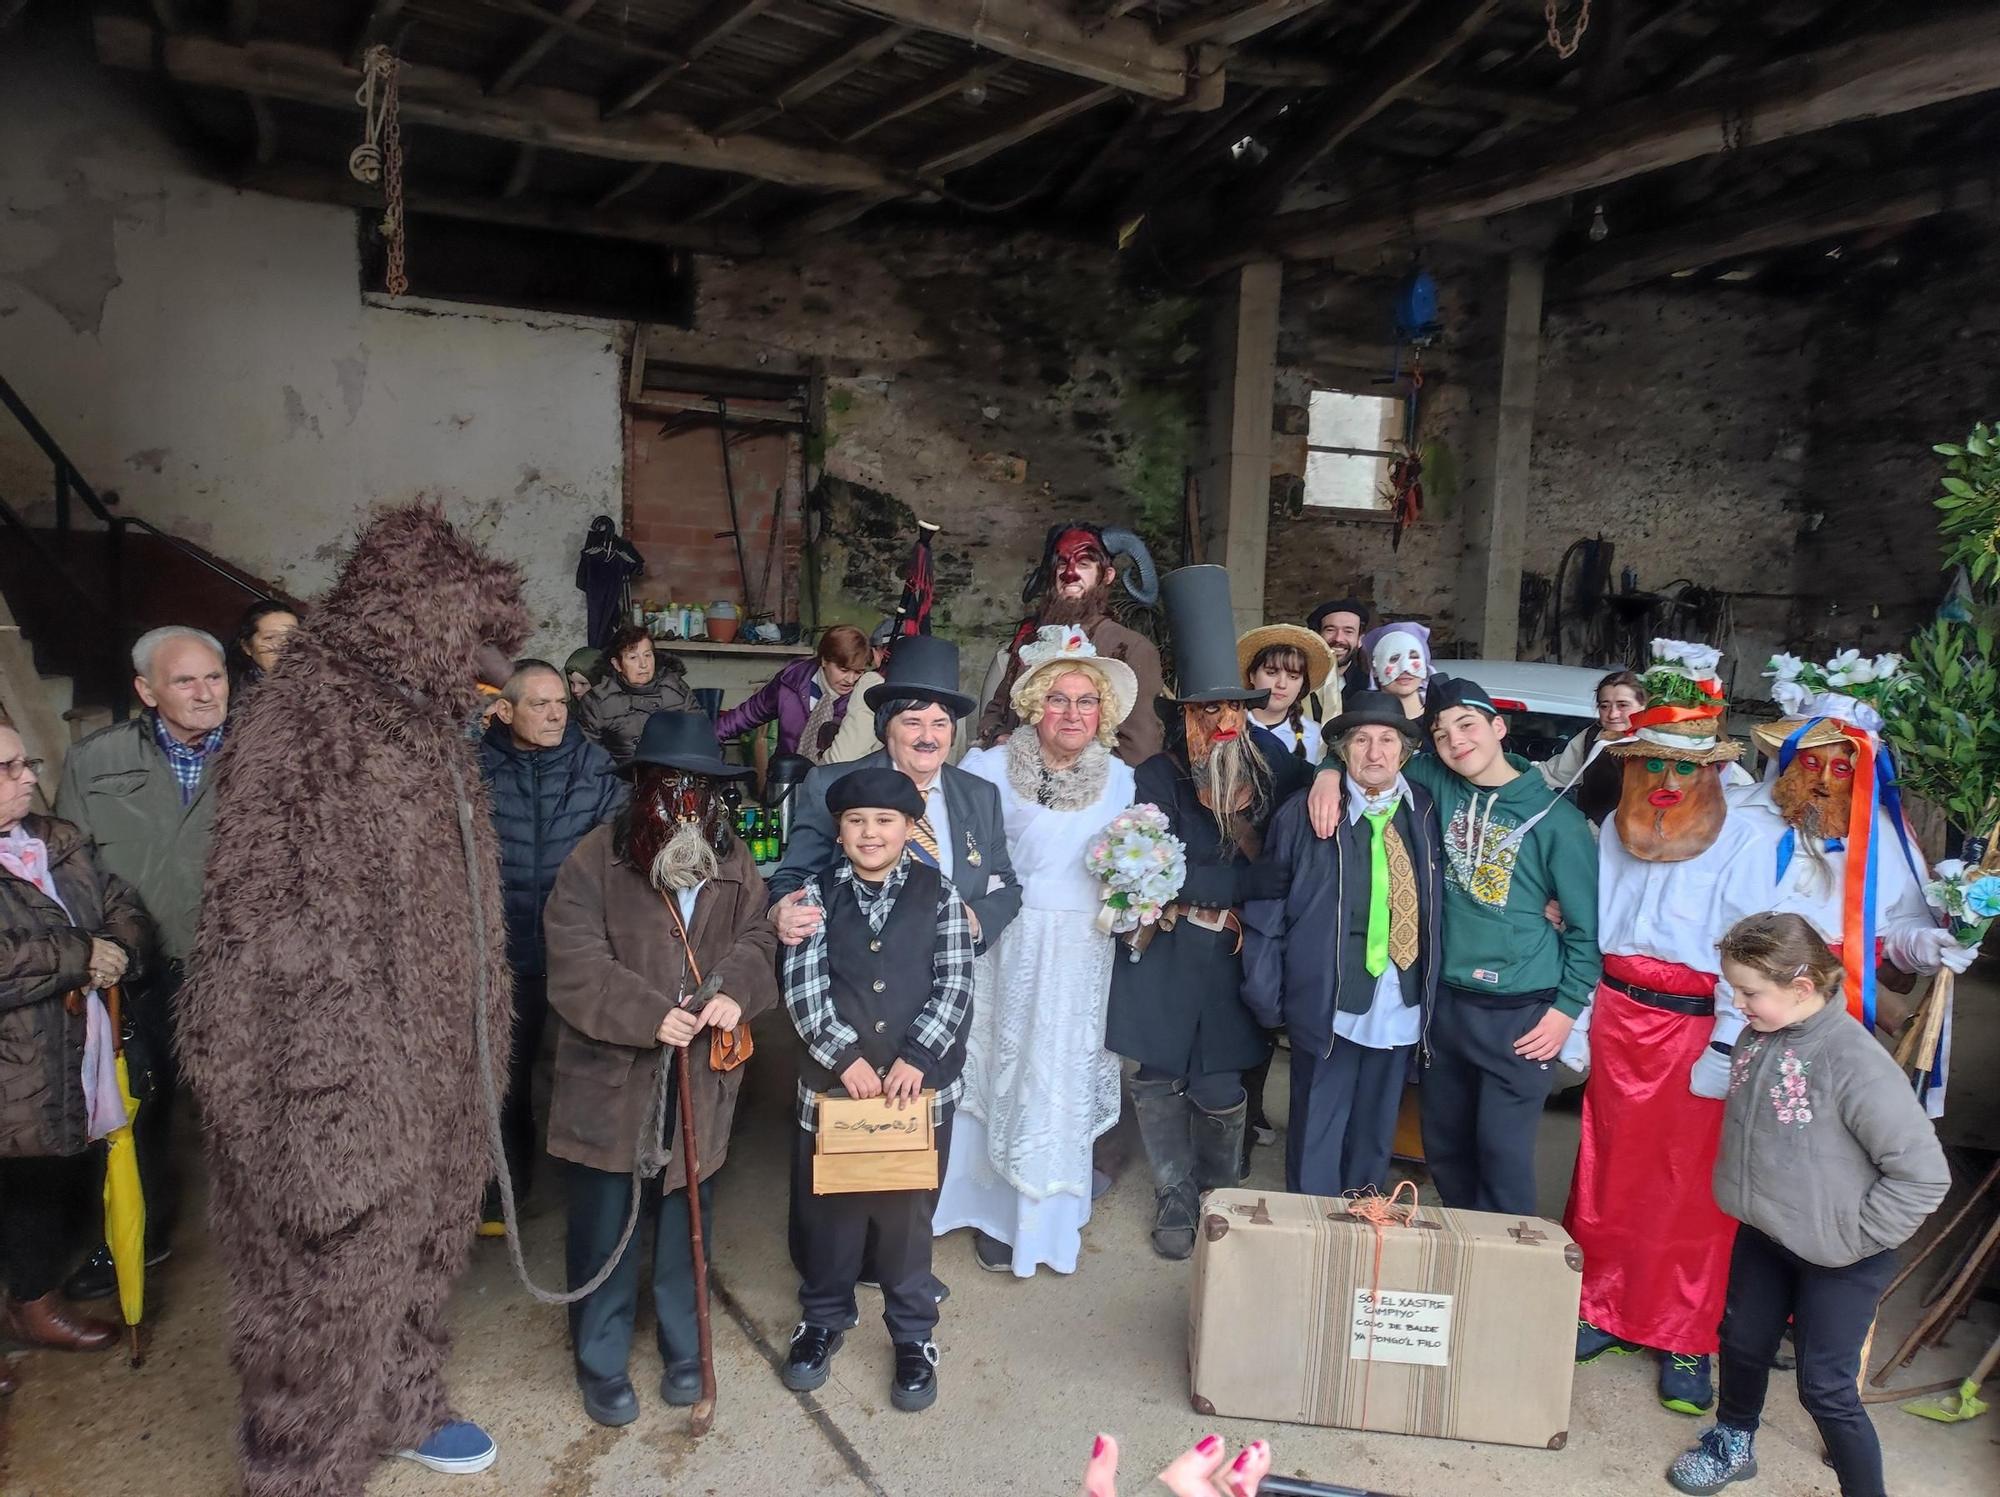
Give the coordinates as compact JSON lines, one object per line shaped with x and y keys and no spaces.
{"x":1514,"y":980}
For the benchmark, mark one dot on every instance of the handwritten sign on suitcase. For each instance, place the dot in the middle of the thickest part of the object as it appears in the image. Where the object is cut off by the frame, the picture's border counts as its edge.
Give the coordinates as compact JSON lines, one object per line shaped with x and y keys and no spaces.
{"x":871,"y":1144}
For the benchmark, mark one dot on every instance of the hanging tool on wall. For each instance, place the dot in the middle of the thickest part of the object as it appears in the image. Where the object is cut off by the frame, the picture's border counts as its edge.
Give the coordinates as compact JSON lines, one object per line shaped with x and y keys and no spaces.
{"x":379,"y":157}
{"x":1417,"y":327}
{"x":913,"y":609}
{"x":735,"y":531}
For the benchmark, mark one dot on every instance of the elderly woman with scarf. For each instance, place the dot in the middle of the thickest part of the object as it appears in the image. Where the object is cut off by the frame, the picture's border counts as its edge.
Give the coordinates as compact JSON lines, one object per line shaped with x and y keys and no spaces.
{"x":1178,"y":1011}
{"x":72,"y":931}
{"x":1039,"y":1085}
{"x":809,"y":697}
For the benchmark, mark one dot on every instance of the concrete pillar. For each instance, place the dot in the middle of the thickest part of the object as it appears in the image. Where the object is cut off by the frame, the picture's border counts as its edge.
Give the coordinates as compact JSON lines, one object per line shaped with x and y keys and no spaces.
{"x":1235,"y":473}
{"x":1496,"y":509}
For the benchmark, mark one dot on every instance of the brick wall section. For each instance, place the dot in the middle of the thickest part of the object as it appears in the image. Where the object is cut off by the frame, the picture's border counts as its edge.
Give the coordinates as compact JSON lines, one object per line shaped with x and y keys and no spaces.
{"x":679,"y":513}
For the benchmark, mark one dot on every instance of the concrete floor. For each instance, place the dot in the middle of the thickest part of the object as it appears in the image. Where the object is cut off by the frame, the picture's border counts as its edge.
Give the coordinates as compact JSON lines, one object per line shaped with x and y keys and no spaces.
{"x":1031,"y":1371}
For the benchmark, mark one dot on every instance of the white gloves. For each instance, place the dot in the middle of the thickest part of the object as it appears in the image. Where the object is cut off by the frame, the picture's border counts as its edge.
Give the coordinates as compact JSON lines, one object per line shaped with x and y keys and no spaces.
{"x":1710,"y":1074}
{"x":1925,"y":948}
{"x":1575,"y":1052}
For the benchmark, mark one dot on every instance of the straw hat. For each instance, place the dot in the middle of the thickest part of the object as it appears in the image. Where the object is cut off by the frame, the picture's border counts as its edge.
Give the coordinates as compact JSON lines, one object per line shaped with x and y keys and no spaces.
{"x":1669,"y":726}
{"x":1063,"y":647}
{"x":1824,"y":733}
{"x":1319,"y":658}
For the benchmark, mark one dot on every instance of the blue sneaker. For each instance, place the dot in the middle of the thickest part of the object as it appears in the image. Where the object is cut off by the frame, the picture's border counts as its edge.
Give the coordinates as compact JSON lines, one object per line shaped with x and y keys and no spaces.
{"x":1722,"y":1456}
{"x":1686,"y":1386}
{"x":459,"y":1449}
{"x":1593,"y":1341}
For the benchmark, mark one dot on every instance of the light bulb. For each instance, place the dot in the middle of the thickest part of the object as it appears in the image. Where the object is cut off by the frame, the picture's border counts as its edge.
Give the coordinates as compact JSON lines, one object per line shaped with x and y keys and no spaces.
{"x":1598,"y":227}
{"x":973,"y":94}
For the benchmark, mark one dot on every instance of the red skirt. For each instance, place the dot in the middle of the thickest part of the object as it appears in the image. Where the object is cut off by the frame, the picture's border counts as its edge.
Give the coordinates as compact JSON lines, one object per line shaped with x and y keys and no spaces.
{"x":1642,"y":1206}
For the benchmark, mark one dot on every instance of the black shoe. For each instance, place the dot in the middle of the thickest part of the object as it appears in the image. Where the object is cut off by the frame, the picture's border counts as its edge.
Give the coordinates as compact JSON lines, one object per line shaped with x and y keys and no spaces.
{"x":991,"y":1254}
{"x":680,"y":1385}
{"x":915,"y":1385}
{"x":96,"y":1278}
{"x":1174,"y":1223}
{"x":813,"y":1347}
{"x":609,"y":1400}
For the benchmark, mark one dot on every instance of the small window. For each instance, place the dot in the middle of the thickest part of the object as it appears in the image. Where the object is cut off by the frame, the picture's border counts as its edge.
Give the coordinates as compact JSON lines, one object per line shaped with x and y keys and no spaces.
{"x":1349,"y":448}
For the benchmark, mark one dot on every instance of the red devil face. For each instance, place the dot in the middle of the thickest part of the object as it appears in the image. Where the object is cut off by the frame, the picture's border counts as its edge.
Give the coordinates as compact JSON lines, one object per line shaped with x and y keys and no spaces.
{"x":663,"y":801}
{"x":1079,"y":563}
{"x":1669,"y":809}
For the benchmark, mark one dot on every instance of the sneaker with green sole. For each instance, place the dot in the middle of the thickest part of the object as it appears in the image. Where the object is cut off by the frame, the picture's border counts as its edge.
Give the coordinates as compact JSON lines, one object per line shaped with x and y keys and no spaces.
{"x":1687,"y":1384}
{"x":1593,"y":1341}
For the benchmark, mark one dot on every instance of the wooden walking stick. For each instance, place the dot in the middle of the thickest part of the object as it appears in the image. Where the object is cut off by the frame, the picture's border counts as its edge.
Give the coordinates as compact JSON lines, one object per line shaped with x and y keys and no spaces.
{"x":704,"y":1409}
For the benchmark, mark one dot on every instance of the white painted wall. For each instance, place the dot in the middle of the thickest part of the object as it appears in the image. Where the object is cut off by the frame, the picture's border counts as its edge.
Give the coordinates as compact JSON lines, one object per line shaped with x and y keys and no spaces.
{"x":209,"y":355}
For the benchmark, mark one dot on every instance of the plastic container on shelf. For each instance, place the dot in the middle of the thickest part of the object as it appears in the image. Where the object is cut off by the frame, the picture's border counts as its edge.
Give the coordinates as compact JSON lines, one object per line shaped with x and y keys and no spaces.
{"x":722,"y":621}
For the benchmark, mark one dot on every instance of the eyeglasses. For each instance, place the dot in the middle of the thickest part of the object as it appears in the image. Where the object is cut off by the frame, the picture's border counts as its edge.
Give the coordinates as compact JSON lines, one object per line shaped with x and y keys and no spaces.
{"x":14,"y":769}
{"x":1060,"y":704}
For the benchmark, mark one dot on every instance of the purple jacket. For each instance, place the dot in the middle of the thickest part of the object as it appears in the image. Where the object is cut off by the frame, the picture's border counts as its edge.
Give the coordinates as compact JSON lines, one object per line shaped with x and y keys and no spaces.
{"x":787,"y":696}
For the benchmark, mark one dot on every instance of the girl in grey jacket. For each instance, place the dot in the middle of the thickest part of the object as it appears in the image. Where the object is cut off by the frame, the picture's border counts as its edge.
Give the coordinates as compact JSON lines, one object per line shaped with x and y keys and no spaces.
{"x":1830,"y":1164}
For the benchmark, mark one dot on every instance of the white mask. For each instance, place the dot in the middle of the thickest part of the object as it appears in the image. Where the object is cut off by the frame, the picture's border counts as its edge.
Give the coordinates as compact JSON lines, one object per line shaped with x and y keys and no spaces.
{"x":1399,"y":653}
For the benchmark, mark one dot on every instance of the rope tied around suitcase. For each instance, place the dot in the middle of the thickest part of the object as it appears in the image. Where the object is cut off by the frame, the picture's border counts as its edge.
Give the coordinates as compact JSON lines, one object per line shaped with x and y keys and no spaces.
{"x":1381,"y":1213}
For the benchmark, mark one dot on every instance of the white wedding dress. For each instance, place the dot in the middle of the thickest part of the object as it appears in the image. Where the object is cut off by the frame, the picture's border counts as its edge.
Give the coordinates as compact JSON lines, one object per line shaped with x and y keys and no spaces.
{"x":1039,"y":1084}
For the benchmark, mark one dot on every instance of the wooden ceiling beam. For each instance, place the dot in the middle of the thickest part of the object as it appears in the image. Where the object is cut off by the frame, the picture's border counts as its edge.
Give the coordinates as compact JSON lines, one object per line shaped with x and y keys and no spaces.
{"x":1447,"y":91}
{"x":318,"y":185}
{"x":1870,"y":76}
{"x":239,"y":20}
{"x":374,"y":26}
{"x":714,"y":24}
{"x":843,"y":59}
{"x":943,"y":86}
{"x":538,"y":46}
{"x":1430,"y":36}
{"x":1122,"y":52}
{"x":553,"y":119}
{"x":521,"y":173}
{"x":728,"y":198}
{"x":631,"y":182}
{"x":1030,"y":119}
{"x":1850,"y":205}
{"x":1233,"y":22}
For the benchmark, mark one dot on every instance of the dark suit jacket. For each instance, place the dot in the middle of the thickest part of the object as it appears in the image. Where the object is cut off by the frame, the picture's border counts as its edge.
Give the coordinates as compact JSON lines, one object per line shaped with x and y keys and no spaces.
{"x":978,"y":852}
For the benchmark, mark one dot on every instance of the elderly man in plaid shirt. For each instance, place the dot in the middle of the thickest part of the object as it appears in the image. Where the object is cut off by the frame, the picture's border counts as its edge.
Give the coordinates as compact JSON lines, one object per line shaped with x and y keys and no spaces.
{"x":880,"y":994}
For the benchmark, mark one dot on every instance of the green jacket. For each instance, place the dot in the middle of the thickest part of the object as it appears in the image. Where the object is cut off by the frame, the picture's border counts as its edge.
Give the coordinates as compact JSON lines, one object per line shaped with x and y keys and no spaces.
{"x":1497,"y":936}
{"x":119,"y":789}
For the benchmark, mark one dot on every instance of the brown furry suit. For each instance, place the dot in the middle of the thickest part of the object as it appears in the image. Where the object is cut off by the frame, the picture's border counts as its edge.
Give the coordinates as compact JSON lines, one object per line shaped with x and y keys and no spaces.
{"x":327,"y":1026}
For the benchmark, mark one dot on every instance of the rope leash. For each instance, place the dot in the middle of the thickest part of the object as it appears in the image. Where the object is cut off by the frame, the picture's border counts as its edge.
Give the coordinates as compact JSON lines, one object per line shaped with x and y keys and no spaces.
{"x":1381,"y":1213}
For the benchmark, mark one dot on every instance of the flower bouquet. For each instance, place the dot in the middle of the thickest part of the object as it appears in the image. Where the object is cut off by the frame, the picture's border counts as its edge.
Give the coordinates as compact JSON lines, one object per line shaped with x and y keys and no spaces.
{"x":1142,"y":864}
{"x":1969,"y":895}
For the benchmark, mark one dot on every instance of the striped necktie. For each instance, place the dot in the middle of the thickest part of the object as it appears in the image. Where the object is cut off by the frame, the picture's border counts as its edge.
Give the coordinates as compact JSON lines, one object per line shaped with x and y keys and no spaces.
{"x":924,"y":843}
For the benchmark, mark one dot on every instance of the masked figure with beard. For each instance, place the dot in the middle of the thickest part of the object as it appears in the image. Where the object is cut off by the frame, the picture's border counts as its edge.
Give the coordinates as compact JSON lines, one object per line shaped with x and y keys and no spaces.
{"x":1179,"y":1012}
{"x":1676,"y":869}
{"x":1072,"y":586}
{"x":667,"y":874}
{"x":328,"y":1025}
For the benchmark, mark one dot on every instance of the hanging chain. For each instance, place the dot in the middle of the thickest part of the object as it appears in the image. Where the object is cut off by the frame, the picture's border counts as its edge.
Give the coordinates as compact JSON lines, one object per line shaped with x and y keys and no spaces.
{"x":1566,"y":49}
{"x":379,"y":157}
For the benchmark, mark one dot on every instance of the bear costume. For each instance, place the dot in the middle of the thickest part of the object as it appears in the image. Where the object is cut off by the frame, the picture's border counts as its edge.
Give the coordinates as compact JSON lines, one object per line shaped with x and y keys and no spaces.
{"x":328,"y":1027}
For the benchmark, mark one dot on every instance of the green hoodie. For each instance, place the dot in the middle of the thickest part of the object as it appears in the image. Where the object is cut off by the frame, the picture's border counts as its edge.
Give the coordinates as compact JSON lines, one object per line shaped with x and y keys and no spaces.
{"x":1497,"y":936}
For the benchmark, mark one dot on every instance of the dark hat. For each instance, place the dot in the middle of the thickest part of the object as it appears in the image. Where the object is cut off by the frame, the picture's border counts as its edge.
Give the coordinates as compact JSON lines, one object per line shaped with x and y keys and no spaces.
{"x":683,"y":740}
{"x":1442,"y":693}
{"x":1204,"y":629}
{"x":1337,"y":605}
{"x":921,"y":668}
{"x":888,"y":789}
{"x":1375,"y":709}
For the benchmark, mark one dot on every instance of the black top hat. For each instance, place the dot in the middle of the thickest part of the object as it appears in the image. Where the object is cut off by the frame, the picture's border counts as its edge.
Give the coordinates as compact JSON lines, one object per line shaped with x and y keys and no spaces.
{"x":1374,"y":709}
{"x":888,"y":789}
{"x":1204,"y":626}
{"x":683,"y":740}
{"x":923,"y":668}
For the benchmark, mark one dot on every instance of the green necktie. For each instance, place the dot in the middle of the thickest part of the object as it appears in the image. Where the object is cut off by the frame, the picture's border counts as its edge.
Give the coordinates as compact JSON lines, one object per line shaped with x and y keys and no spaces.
{"x":1378,"y":893}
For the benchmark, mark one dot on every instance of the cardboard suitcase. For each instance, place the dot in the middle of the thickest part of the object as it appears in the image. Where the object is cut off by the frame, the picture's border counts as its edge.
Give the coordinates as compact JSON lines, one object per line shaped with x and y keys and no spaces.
{"x":1472,"y":1334}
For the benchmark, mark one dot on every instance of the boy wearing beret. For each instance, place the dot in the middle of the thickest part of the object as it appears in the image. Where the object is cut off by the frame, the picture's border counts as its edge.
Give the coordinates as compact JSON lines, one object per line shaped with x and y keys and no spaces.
{"x":880,"y":993}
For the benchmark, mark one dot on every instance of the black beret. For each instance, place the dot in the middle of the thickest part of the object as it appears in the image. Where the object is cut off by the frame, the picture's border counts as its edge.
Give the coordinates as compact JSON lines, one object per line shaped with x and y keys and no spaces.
{"x":886,"y":789}
{"x":1338,"y":605}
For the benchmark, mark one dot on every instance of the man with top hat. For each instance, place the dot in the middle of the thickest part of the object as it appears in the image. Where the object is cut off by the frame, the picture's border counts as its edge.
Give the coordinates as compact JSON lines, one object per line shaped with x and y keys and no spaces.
{"x":644,"y":910}
{"x":916,"y":708}
{"x":1348,"y":958}
{"x":1178,"y":1011}
{"x":1072,"y":586}
{"x":1676,"y":869}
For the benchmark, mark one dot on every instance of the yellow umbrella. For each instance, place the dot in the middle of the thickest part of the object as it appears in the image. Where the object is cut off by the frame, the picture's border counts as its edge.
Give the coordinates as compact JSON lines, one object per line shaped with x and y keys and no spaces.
{"x":124,"y":1202}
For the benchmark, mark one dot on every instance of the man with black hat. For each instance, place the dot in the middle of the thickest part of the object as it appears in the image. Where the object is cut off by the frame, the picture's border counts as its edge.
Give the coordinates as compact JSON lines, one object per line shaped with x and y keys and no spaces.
{"x":647,"y":907}
{"x":960,"y":831}
{"x":1072,"y":585}
{"x":1341,"y":622}
{"x":1348,"y":959}
{"x":1178,"y":1012}
{"x":879,"y":993}
{"x":1512,"y":981}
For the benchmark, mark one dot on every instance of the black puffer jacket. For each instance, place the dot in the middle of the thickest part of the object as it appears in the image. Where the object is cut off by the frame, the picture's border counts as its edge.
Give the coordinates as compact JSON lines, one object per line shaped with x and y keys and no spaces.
{"x":44,"y":957}
{"x":543,"y":804}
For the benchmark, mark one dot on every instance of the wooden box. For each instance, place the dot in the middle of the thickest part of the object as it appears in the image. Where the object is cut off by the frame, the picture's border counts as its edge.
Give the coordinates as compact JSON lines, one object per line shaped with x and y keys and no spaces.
{"x":871,"y":1144}
{"x":1464,"y":1328}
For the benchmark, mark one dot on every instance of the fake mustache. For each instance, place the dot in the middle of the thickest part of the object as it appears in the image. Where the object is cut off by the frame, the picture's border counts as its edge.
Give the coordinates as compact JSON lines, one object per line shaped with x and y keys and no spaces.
{"x":927,"y":746}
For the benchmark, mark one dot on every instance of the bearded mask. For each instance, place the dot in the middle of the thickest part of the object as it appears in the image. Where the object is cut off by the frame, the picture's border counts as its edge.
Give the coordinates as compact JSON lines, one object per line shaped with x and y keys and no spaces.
{"x":1669,"y":810}
{"x":1078,"y":559}
{"x":677,"y":829}
{"x":1209,"y":724}
{"x":1815,"y":792}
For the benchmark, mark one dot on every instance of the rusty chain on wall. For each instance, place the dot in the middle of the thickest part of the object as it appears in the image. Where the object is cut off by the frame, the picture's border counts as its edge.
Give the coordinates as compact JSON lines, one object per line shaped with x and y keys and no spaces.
{"x":1566,"y":49}
{"x":379,"y":157}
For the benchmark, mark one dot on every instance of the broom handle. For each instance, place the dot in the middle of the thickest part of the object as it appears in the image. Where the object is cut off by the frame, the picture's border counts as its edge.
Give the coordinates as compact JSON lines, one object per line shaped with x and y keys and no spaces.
{"x":704,"y":1410}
